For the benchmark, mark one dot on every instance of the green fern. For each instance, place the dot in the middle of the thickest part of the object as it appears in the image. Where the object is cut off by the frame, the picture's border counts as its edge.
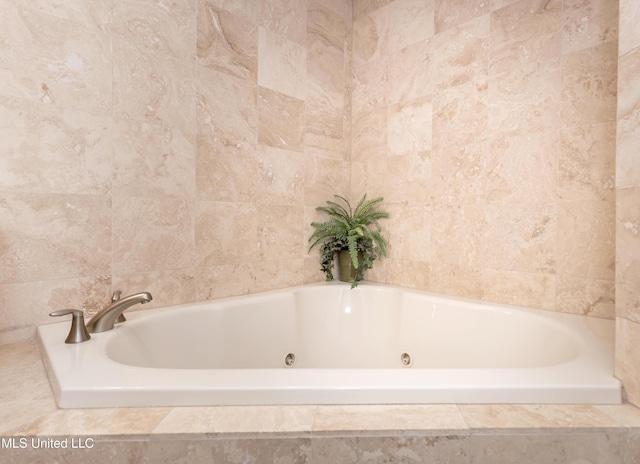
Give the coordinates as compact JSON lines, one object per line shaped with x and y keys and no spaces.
{"x":357,"y":231}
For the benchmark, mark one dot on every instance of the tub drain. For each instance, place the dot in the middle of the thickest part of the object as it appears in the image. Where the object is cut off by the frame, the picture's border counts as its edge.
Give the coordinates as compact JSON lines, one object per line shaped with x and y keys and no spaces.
{"x":289,"y":360}
{"x":405,"y":359}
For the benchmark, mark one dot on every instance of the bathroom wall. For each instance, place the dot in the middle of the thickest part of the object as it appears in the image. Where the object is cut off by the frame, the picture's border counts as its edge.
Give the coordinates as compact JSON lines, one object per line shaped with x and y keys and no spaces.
{"x":490,"y":129}
{"x":176,"y":147}
{"x":628,"y":202}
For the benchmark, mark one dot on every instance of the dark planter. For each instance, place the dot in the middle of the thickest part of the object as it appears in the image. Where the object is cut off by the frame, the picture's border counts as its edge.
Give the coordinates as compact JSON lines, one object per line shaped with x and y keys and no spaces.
{"x":346,"y":271}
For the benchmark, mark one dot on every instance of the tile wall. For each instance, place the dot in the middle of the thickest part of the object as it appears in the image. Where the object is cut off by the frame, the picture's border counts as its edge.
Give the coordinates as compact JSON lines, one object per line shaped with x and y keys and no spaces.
{"x":628,"y":202}
{"x":177,"y":147}
{"x":490,"y":129}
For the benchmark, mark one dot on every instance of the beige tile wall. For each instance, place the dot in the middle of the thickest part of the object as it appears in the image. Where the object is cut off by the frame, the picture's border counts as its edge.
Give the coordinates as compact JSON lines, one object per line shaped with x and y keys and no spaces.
{"x":628,"y":202}
{"x":489,"y":128}
{"x":173,"y":147}
{"x":182,"y":150}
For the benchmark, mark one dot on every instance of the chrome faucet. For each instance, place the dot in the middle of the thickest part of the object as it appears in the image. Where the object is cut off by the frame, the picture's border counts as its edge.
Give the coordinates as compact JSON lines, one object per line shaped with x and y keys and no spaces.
{"x":106,"y":318}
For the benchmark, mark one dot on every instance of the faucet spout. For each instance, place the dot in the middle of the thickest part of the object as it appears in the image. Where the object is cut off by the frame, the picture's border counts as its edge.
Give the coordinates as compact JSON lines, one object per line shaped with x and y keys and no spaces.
{"x":106,"y":318}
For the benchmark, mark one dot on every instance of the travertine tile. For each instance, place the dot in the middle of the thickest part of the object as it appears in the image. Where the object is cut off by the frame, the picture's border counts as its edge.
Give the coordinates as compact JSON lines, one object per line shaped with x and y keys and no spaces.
{"x":278,"y":273}
{"x":410,"y":21}
{"x":50,"y":149}
{"x":625,"y":414}
{"x":226,"y":42}
{"x":364,"y":7}
{"x":587,"y":164}
{"x":459,"y":175}
{"x":223,"y":281}
{"x":286,"y":18}
{"x":237,"y":419}
{"x":323,"y":178}
{"x":95,"y":450}
{"x":247,"y":9}
{"x":628,"y":22}
{"x":627,"y":365}
{"x":589,"y":85}
{"x":163,"y":239}
{"x":89,"y":13}
{"x":628,"y":122}
{"x":409,"y":127}
{"x":167,"y":29}
{"x":580,"y":295}
{"x":41,"y":235}
{"x":457,"y":235}
{"x":586,"y":239}
{"x":588,"y":23}
{"x":408,"y":181}
{"x":449,"y":14}
{"x":404,"y":272}
{"x":153,"y":88}
{"x":231,"y":241}
{"x":168,"y":287}
{"x":280,"y":120}
{"x":411,"y":72}
{"x":627,"y":276}
{"x":388,"y":417}
{"x":455,"y":279}
{"x":283,"y":64}
{"x":406,"y":221}
{"x":535,"y":416}
{"x":151,"y":160}
{"x":370,"y":37}
{"x":281,"y":176}
{"x":279,"y":231}
{"x":371,"y":87}
{"x":532,"y":290}
{"x":369,"y":137}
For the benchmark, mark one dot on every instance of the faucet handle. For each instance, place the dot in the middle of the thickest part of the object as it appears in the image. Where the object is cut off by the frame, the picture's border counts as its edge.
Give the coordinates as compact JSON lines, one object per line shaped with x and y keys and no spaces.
{"x":78,"y":332}
{"x":115,"y":297}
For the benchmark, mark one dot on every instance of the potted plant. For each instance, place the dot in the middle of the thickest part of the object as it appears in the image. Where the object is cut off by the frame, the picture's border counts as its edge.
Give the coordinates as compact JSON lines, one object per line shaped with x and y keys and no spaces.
{"x":353,"y":234}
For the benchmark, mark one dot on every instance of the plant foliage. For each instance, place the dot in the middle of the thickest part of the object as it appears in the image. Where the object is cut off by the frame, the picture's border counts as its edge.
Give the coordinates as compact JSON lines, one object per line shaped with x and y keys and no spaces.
{"x":347,"y":229}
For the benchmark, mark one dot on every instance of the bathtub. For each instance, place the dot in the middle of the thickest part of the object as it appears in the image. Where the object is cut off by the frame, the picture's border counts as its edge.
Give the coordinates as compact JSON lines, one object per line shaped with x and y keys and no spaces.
{"x":329,"y":344}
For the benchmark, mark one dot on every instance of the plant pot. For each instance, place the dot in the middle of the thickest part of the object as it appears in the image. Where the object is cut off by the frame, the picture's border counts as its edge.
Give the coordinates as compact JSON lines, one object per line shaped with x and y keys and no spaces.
{"x":346,"y":271}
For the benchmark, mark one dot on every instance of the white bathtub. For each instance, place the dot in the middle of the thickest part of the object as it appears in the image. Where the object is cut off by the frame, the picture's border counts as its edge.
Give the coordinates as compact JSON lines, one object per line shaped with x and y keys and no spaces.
{"x":328,"y":344}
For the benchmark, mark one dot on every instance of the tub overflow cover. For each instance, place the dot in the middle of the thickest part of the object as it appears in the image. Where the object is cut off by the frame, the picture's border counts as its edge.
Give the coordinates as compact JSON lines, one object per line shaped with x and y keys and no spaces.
{"x":289,"y":360}
{"x":405,"y":359}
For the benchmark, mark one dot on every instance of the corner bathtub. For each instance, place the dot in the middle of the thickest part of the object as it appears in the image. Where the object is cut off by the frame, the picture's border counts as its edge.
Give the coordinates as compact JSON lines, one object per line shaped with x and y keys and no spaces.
{"x":329,"y":344}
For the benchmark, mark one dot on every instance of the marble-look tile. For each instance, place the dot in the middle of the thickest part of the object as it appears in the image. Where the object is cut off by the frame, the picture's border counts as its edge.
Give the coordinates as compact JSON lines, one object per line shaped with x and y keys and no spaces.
{"x":286,"y":18}
{"x":223,"y":281}
{"x":91,"y":422}
{"x":226,"y":42}
{"x":451,"y":449}
{"x":49,"y":149}
{"x":522,"y":237}
{"x":537,"y":448}
{"x":246,"y":9}
{"x":408,"y":180}
{"x":91,"y":14}
{"x":364,"y":7}
{"x":627,"y":276}
{"x":628,"y":122}
{"x":406,"y":222}
{"x":168,"y":287}
{"x":534,"y":416}
{"x":449,"y":14}
{"x":370,"y":38}
{"x":588,"y":23}
{"x":406,"y":273}
{"x":523,"y":168}
{"x":281,"y":179}
{"x":459,"y":174}
{"x":460,"y":115}
{"x":454,"y":279}
{"x":590,"y":297}
{"x":226,"y":170}
{"x":524,"y":97}
{"x":97,"y":450}
{"x":627,"y":364}
{"x":528,"y":289}
{"x":280,"y":120}
{"x":153,"y":88}
{"x":457,"y":235}
{"x":237,"y":419}
{"x":29,"y":303}
{"x":529,"y":31}
{"x":586,"y":239}
{"x":323,"y":178}
{"x":231,"y":241}
{"x":628,"y":30}
{"x":410,"y":21}
{"x":41,"y":236}
{"x":162,"y":239}
{"x":411,"y":72}
{"x":587,"y":164}
{"x":152,"y":160}
{"x":45,"y":59}
{"x":169,"y":29}
{"x":278,"y":273}
{"x":388,"y":417}
{"x":589,"y":85}
{"x":461,"y":54}
{"x":409,"y":127}
{"x":283,"y":64}
{"x":625,"y":414}
{"x":279,"y":234}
